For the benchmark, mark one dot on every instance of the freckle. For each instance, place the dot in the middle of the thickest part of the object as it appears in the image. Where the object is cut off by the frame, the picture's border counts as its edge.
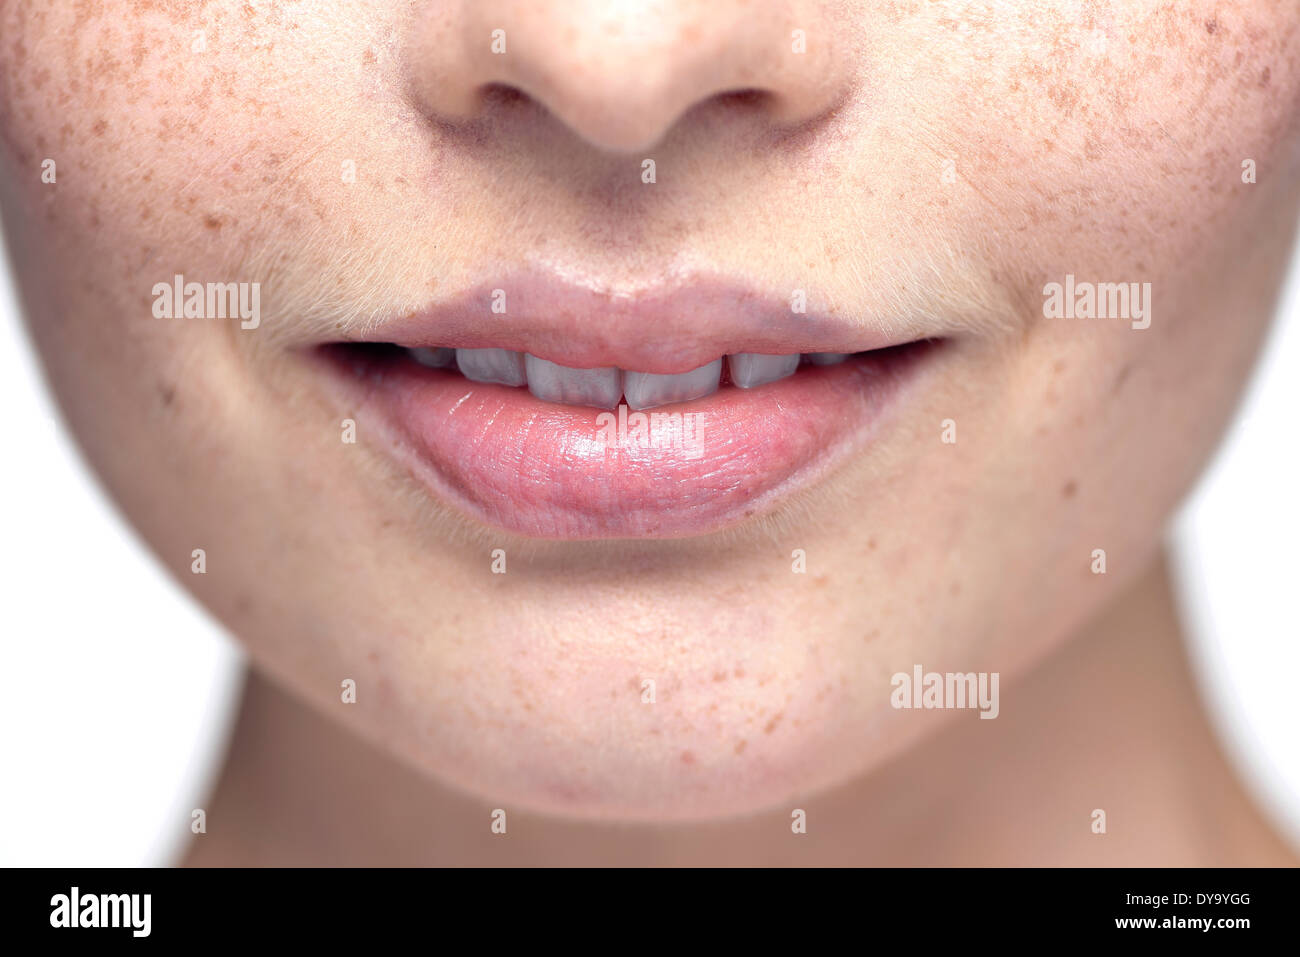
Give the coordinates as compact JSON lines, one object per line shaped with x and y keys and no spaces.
{"x":1212,"y":26}
{"x":1070,"y":488}
{"x":688,"y":758}
{"x":871,"y":544}
{"x":771,"y":725}
{"x":167,"y":394}
{"x":1265,"y":77}
{"x":369,"y":56}
{"x":719,"y":676}
{"x":955,"y":588}
{"x":740,"y":672}
{"x":741,"y":745}
{"x":211,"y":221}
{"x":821,"y":581}
{"x":99,"y":127}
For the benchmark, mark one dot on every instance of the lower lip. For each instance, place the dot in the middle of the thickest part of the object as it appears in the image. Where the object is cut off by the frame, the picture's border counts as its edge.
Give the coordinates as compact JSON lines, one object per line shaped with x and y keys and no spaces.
{"x":551,"y":471}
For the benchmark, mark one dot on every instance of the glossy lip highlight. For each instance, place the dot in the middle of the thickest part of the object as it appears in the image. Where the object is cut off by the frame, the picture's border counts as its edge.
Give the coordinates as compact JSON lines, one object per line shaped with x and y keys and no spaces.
{"x":543,"y":470}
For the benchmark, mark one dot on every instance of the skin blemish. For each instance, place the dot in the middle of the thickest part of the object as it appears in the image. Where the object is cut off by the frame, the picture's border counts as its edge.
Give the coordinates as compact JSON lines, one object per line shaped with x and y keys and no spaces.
{"x":1121,"y":377}
{"x":1070,"y":488}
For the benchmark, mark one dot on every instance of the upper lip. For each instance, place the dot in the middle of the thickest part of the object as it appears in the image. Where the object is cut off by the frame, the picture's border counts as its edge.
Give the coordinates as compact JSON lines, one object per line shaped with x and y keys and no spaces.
{"x":666,"y":328}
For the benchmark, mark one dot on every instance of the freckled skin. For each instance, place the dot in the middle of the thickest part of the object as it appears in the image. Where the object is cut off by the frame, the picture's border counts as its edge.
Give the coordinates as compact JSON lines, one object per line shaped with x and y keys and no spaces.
{"x":971,"y":153}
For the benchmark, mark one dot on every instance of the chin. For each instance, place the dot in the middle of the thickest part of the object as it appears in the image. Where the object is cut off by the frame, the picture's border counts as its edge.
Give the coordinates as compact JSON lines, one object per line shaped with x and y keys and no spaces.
{"x":589,"y":747}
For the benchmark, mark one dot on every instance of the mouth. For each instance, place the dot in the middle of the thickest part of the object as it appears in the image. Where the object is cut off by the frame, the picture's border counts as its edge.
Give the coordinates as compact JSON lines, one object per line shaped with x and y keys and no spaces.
{"x":564,"y":423}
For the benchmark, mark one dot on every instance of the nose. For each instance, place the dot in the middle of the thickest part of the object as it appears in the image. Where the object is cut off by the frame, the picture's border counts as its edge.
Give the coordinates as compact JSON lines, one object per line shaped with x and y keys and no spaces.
{"x":621,"y":73}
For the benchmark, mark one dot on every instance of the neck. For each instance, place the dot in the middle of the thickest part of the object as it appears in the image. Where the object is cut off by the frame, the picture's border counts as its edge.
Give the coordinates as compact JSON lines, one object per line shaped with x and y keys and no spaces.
{"x":1109,"y":722}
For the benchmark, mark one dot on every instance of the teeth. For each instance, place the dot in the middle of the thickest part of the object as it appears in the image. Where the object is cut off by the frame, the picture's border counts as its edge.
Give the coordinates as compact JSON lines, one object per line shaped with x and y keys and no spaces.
{"x":645,"y":390}
{"x":434,"y":358}
{"x":499,"y":366}
{"x":827,"y":358}
{"x":751,"y":369}
{"x":552,"y":382}
{"x":602,"y":388}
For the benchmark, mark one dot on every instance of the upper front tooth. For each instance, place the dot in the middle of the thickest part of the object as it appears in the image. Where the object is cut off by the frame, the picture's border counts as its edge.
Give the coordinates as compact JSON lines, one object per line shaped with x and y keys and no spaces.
{"x":434,"y":358}
{"x":552,"y":382}
{"x":500,"y":366}
{"x":645,"y":390}
{"x":827,"y":358}
{"x":752,"y":369}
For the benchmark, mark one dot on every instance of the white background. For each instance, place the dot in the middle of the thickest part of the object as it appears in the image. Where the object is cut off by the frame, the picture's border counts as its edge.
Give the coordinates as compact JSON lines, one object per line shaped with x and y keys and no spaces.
{"x":118,"y":690}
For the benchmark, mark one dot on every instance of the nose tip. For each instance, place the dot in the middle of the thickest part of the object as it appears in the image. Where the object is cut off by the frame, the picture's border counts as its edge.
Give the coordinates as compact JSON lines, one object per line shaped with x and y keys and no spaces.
{"x":620,"y":75}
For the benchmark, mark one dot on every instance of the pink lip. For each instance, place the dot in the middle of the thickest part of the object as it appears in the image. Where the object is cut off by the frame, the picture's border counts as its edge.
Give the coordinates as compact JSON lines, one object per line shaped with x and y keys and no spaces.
{"x":662,"y":329}
{"x":551,"y":471}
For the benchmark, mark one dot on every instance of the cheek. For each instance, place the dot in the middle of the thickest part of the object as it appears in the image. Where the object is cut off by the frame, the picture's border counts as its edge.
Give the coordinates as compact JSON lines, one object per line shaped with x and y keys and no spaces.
{"x":1114,"y":138}
{"x":1156,"y":147}
{"x":181,"y":139}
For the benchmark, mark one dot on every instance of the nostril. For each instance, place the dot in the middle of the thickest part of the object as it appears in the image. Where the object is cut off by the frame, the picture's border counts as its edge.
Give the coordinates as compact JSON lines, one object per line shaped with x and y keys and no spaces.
{"x":503,"y":94}
{"x":621,"y":76}
{"x":487,"y":106}
{"x":748,"y":98}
